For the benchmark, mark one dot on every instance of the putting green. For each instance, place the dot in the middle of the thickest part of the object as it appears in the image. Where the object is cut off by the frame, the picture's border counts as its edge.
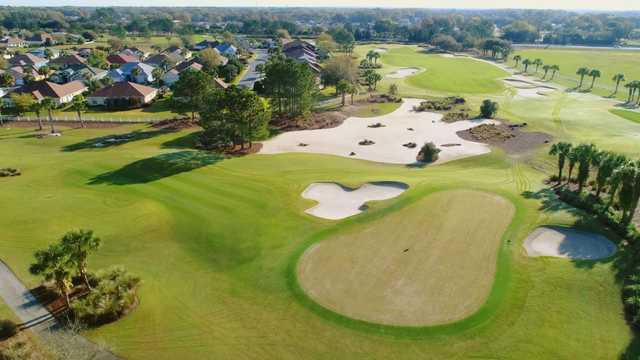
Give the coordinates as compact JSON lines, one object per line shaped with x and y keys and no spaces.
{"x":414,"y":267}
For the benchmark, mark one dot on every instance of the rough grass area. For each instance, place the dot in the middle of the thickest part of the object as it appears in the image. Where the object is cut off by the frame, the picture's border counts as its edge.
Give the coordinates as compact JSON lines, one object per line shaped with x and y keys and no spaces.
{"x":412,"y":268}
{"x":367,"y":109}
{"x":609,"y":62}
{"x":626,"y":114}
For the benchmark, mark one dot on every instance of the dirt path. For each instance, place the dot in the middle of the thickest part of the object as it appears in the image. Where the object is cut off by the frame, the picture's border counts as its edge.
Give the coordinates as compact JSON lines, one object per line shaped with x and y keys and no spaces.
{"x":36,"y":317}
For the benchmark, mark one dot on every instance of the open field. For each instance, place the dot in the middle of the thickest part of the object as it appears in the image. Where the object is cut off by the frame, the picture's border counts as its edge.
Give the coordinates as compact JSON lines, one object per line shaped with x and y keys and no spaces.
{"x":609,"y":62}
{"x":218,"y":273}
{"x":412,"y":267}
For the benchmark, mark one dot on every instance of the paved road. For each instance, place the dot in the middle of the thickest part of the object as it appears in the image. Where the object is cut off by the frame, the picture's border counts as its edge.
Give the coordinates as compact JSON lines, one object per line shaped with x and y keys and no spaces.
{"x":35,"y":316}
{"x":250,"y":78}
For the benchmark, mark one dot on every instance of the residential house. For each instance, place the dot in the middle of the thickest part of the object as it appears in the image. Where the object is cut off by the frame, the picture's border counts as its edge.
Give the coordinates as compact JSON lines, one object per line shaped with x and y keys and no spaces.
{"x":67,"y":60}
{"x":12,"y":42}
{"x":227,"y":50}
{"x":137,"y":72}
{"x":122,"y":58}
{"x":20,"y":73}
{"x":82,"y":72}
{"x":40,"y":39}
{"x":85,"y":52}
{"x":123,"y":94}
{"x":42,"y":52}
{"x":134,"y":51}
{"x":28,"y":60}
{"x":177,"y":51}
{"x":205,"y":44}
{"x":165,"y":61}
{"x":303,"y":52}
{"x":61,"y":94}
{"x":173,"y":75}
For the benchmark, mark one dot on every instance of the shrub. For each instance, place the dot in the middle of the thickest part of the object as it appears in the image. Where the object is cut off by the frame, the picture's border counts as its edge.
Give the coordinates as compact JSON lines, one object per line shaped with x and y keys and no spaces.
{"x":393,"y":90}
{"x":428,"y":153}
{"x":7,"y":329}
{"x":112,"y":297}
{"x":488,"y":109}
{"x":5,"y":172}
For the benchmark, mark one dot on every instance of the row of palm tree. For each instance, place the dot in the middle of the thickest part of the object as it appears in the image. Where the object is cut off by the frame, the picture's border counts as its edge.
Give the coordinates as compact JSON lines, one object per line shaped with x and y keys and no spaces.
{"x":78,"y":104}
{"x":613,"y":172}
{"x":554,"y":69}
{"x":592,"y":73}
{"x":373,"y":56}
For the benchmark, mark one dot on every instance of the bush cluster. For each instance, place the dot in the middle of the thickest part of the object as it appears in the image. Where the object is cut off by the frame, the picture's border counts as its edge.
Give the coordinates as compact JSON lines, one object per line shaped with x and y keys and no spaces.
{"x":7,"y":329}
{"x":428,"y":153}
{"x":444,"y":104}
{"x":5,"y":172}
{"x":113,"y":296}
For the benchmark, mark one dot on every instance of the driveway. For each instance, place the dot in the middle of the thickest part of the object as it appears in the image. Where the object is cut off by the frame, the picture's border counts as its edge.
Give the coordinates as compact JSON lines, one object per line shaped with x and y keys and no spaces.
{"x":250,"y":78}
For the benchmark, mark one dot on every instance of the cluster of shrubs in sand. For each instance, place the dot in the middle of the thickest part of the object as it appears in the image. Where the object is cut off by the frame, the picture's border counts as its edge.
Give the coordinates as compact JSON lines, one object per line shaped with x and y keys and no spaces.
{"x":453,"y":107}
{"x":6,"y":172}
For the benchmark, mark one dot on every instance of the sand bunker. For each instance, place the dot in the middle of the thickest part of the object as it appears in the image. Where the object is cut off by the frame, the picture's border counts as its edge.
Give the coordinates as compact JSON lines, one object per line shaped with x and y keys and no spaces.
{"x":337,"y":202}
{"x":388,"y":140}
{"x":528,"y":89}
{"x":404,"y":72}
{"x":568,"y":243}
{"x":380,"y":50}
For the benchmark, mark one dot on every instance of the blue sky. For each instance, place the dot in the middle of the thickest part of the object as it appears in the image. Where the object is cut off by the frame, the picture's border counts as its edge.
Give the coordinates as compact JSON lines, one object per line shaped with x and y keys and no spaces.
{"x":532,"y":4}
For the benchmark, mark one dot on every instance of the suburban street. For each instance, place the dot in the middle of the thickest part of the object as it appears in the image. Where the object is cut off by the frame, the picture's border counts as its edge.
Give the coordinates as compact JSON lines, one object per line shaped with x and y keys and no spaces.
{"x":250,"y":78}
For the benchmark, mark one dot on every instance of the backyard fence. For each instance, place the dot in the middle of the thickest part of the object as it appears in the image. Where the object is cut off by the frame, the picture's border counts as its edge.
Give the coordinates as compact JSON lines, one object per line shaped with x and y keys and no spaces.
{"x":85,"y":118}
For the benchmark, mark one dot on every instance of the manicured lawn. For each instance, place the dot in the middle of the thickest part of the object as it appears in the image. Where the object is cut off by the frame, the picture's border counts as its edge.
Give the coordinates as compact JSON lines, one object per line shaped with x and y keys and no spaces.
{"x":394,"y":271}
{"x":216,"y":242}
{"x":609,"y":62}
{"x":441,"y":76}
{"x":626,"y":114}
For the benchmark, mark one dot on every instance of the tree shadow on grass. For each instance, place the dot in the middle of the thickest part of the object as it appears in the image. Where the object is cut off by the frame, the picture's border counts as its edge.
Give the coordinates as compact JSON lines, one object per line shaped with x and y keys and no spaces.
{"x":157,"y":167}
{"x":115,"y":139}
{"x":183,"y":142}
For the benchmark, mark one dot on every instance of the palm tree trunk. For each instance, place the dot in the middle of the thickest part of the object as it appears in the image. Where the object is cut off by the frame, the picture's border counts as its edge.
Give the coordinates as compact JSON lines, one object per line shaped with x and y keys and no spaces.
{"x":53,"y":128}
{"x":39,"y":122}
{"x":80,"y":118}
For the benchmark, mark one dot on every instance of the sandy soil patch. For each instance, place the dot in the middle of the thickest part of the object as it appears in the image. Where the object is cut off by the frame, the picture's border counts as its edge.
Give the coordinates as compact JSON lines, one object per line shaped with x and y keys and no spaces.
{"x":568,"y":243}
{"x":400,"y":127}
{"x":380,"y":50}
{"x":511,"y":138}
{"x":337,"y":202}
{"x":430,"y":263}
{"x":404,"y":72}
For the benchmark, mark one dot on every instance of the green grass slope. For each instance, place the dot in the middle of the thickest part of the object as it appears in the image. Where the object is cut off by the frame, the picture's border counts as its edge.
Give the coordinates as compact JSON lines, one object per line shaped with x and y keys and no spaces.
{"x":214,"y":239}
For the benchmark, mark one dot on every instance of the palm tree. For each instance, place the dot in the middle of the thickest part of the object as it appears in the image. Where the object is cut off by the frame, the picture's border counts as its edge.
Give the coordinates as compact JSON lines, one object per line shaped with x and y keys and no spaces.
{"x":629,"y":190}
{"x":546,"y":69}
{"x":607,"y":162}
{"x":370,"y":55}
{"x":526,"y":63}
{"x":584,"y":153}
{"x":354,"y":89}
{"x":52,"y":265}
{"x":342,"y":87}
{"x":594,"y":73}
{"x":37,"y":108}
{"x":537,"y":63}
{"x":573,"y":159}
{"x":555,"y":69}
{"x":562,"y":150}
{"x":157,"y":74}
{"x":618,"y":78}
{"x":77,"y":245}
{"x":583,"y":71}
{"x":517,"y":59}
{"x":632,"y":89}
{"x":48,"y":104}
